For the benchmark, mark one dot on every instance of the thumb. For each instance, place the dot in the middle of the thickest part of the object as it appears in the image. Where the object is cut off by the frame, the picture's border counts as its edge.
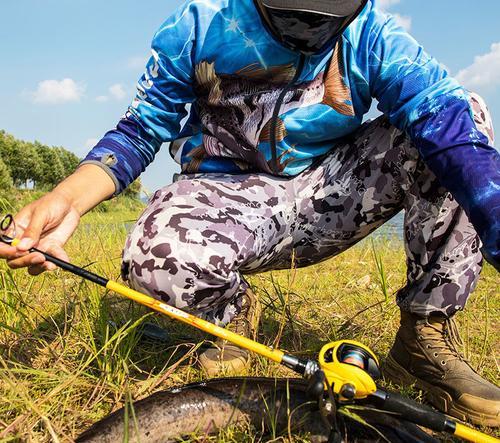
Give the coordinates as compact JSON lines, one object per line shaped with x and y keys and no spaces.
{"x":33,"y":231}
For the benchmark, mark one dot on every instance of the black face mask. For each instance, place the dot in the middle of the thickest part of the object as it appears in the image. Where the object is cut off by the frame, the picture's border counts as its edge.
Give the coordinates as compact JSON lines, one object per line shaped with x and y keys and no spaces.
{"x":306,"y":32}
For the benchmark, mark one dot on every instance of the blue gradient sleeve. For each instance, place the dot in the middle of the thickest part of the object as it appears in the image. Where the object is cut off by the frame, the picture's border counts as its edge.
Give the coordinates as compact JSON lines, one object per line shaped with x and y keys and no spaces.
{"x":419,"y":97}
{"x":402,"y":76}
{"x":465,"y":164}
{"x":156,"y":112}
{"x":124,"y":152}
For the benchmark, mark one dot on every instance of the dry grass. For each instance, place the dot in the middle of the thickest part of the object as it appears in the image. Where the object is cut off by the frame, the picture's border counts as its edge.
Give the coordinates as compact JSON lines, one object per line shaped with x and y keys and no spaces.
{"x":71,"y":353}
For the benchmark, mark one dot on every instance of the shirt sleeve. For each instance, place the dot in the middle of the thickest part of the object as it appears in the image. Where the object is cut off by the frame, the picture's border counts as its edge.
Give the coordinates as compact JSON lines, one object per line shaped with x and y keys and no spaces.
{"x":419,"y":97}
{"x":159,"y":106}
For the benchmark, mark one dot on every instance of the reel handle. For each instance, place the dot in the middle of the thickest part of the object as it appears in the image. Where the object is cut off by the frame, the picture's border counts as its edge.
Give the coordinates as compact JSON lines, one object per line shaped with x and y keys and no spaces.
{"x":316,"y":385}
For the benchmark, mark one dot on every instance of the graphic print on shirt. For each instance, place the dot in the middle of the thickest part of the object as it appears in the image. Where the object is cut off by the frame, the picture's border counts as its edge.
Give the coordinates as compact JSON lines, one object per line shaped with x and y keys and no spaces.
{"x":482,"y":117}
{"x":382,"y":61}
{"x":236,"y":110}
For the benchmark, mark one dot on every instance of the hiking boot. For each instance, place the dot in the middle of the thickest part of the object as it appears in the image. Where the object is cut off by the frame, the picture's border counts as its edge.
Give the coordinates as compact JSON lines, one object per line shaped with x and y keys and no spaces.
{"x":426,"y":354}
{"x":224,"y":357}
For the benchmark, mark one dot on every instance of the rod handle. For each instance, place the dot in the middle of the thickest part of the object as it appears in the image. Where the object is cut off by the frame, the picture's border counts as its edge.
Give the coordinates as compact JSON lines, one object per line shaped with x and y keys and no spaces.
{"x":76,"y":270}
{"x":425,"y":416}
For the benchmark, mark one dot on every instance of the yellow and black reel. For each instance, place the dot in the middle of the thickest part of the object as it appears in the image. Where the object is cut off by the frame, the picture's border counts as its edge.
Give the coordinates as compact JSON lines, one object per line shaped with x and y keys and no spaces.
{"x":350,"y":368}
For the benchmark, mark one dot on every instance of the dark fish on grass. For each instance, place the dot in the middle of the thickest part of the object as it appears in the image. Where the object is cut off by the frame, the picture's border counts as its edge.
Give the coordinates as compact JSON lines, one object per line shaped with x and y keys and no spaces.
{"x":279,"y":405}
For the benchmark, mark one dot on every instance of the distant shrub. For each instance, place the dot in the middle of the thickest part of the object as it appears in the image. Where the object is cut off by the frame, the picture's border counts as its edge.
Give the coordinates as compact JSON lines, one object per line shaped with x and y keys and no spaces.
{"x":5,"y":178}
{"x":134,"y":190}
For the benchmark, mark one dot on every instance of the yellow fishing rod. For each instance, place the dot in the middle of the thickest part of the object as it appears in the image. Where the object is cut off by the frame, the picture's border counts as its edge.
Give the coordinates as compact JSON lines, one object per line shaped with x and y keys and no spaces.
{"x":346,"y":367}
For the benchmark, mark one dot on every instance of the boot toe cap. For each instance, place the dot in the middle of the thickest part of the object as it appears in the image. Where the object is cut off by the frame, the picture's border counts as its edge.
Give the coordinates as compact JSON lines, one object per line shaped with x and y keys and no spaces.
{"x":216,"y":362}
{"x":480,"y":410}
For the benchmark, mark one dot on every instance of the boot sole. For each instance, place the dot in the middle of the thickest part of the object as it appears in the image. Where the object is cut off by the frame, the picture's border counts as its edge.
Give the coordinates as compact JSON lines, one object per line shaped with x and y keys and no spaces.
{"x":437,"y":396}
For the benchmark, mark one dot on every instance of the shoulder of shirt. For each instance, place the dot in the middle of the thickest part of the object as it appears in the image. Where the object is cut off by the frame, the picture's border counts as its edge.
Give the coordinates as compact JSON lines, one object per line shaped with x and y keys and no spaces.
{"x":209,"y":7}
{"x":367,"y":25}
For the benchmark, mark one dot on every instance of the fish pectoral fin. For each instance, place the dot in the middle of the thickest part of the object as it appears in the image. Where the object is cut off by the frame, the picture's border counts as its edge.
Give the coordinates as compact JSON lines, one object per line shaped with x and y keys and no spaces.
{"x":207,"y":78}
{"x":337,"y":93}
{"x":281,"y":133}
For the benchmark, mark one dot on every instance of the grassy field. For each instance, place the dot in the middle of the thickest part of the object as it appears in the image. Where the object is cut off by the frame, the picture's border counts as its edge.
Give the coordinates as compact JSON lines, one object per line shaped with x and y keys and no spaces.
{"x":70,"y":352}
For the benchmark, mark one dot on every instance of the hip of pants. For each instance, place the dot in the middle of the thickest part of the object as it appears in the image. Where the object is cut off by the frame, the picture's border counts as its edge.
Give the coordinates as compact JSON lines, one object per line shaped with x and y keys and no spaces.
{"x":201,"y":234}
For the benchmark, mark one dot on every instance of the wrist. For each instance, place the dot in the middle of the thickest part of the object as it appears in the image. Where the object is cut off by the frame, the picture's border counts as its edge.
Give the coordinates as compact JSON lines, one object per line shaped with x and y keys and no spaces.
{"x":83,"y":190}
{"x":65,"y":194}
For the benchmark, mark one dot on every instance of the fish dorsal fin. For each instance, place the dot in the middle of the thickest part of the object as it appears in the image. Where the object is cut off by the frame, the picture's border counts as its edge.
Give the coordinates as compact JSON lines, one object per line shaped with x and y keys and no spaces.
{"x":207,"y":78}
{"x":265,"y":134}
{"x":274,"y":74}
{"x":337,"y":93}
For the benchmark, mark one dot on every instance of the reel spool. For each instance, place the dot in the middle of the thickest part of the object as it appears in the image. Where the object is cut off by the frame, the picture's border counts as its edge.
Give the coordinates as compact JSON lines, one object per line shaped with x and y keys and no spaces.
{"x":350,"y":368}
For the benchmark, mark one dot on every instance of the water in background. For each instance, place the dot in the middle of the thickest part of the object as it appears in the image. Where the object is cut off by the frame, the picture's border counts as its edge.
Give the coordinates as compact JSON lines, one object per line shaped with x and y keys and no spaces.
{"x":393,"y":228}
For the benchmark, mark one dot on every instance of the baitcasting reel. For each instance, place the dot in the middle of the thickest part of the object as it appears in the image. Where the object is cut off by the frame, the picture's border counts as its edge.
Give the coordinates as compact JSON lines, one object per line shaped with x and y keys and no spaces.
{"x":345,"y":372}
{"x":350,"y":370}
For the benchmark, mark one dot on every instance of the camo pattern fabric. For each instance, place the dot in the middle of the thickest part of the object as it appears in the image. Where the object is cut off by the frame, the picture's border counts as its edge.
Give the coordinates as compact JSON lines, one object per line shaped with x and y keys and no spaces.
{"x":201,"y":234}
{"x":482,"y":116}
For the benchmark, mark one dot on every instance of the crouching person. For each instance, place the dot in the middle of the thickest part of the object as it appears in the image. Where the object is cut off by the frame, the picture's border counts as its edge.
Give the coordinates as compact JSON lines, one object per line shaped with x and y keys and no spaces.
{"x":276,"y":164}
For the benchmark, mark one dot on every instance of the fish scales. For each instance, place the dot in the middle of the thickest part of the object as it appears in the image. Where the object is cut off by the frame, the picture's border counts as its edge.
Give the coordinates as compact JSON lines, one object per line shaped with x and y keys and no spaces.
{"x":264,"y":403}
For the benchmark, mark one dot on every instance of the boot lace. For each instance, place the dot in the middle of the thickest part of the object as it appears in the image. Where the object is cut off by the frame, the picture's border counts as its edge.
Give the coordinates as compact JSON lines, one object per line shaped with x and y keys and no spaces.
{"x":242,"y":323}
{"x":444,"y":340}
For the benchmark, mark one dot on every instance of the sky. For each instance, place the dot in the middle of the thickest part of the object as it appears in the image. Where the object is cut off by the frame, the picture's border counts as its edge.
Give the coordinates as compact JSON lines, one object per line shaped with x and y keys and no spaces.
{"x":68,"y":68}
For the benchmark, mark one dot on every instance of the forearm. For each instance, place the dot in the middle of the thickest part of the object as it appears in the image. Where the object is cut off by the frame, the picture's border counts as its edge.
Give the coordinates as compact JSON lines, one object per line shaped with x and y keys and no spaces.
{"x":124,"y":152}
{"x":88,"y":186}
{"x":465,"y":162}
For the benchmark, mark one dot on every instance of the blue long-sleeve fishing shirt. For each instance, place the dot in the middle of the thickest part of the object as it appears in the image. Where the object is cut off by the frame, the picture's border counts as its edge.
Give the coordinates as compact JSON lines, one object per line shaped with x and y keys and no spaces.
{"x":219,"y":56}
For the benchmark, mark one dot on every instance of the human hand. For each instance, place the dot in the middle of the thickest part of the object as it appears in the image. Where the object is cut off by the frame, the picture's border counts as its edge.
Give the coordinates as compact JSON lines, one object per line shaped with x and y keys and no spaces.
{"x":46,"y":224}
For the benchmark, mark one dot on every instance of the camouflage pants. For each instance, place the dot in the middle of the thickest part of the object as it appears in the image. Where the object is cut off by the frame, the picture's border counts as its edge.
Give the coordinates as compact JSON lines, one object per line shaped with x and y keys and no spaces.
{"x":199,"y":235}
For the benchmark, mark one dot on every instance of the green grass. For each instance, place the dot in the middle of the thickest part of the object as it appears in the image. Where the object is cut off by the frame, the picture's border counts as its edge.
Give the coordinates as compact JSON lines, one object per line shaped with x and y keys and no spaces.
{"x":70,"y":351}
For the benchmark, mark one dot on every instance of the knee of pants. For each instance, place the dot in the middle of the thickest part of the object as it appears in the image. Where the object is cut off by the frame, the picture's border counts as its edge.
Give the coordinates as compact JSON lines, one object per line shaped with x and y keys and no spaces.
{"x":183,"y":275}
{"x":482,"y":117}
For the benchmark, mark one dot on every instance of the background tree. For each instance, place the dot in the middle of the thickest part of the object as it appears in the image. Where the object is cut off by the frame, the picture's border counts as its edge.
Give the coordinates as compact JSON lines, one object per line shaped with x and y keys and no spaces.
{"x":5,"y":178}
{"x":51,"y":166}
{"x":69,"y":160}
{"x":23,"y":163}
{"x":21,"y":159}
{"x":6,"y":148}
{"x":39,"y":164}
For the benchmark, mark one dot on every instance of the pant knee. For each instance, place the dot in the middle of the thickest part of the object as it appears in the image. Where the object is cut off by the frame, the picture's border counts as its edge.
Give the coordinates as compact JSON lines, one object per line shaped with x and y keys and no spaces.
{"x":152,"y":269}
{"x":170,"y":270}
